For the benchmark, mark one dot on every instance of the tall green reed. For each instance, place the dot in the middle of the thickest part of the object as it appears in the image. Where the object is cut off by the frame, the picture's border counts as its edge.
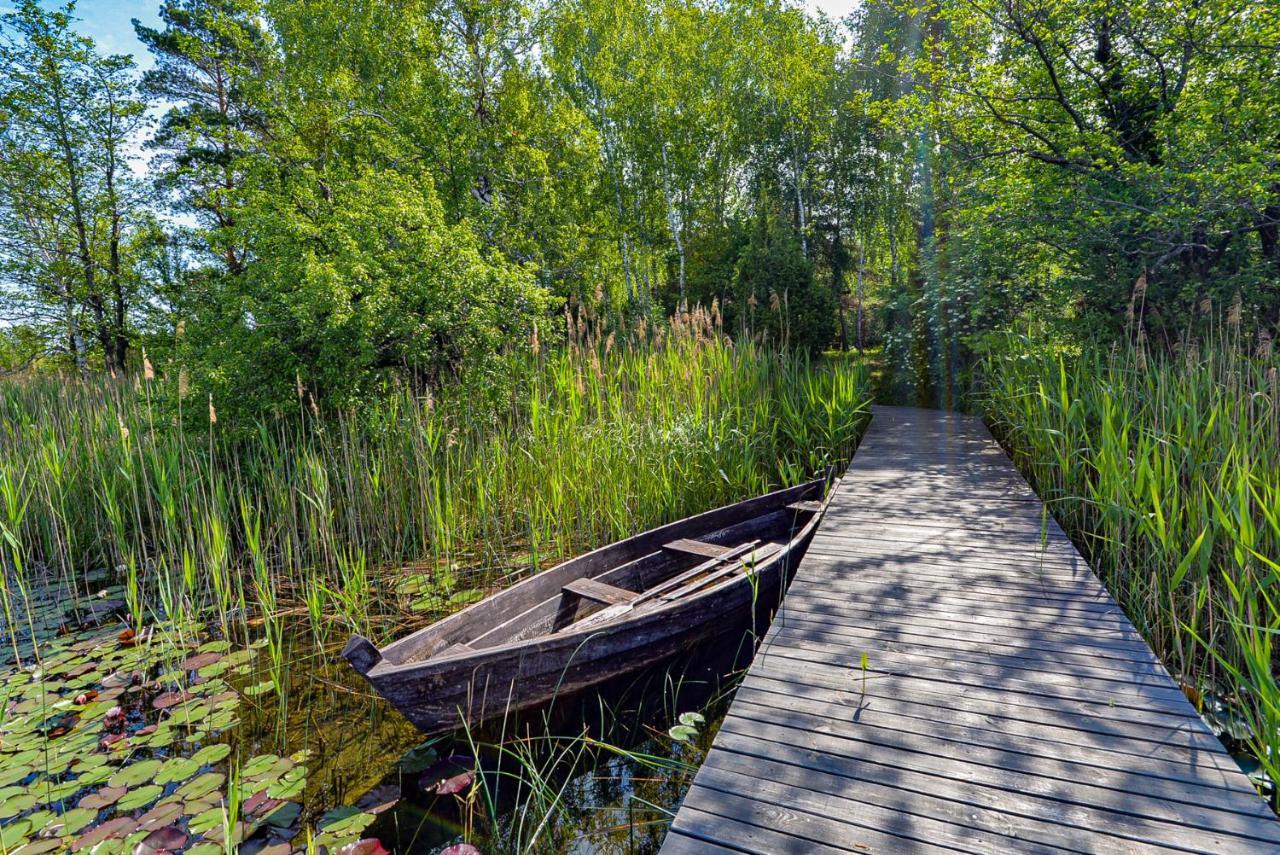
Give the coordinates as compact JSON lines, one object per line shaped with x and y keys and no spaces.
{"x":615,"y":430}
{"x":1167,"y":470}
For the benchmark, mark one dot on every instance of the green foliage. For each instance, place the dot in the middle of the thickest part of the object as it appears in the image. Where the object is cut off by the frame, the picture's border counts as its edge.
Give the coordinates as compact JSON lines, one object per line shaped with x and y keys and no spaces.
{"x":610,"y":435}
{"x":1166,"y":470}
{"x":356,"y":279}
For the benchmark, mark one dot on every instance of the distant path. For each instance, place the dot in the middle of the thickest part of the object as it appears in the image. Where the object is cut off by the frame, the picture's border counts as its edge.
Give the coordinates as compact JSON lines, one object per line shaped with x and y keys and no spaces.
{"x":1008,"y":704}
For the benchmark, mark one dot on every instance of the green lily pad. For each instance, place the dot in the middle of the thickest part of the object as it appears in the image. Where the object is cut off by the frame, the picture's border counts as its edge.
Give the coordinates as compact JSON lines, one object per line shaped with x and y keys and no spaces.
{"x":177,"y":769}
{"x":344,"y":822}
{"x":135,"y":773}
{"x":17,"y":803}
{"x":210,"y":754}
{"x":211,"y":818}
{"x":201,"y":786}
{"x":14,"y":834}
{"x":141,"y":797}
{"x":258,"y":765}
{"x":71,"y":821}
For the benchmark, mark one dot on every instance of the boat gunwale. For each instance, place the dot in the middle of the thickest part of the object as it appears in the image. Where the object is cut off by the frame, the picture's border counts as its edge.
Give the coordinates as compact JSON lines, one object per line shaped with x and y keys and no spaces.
{"x":386,"y":668}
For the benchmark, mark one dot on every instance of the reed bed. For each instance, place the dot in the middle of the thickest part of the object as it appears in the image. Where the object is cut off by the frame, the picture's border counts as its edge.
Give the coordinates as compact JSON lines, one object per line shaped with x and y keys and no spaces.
{"x":1166,"y":470}
{"x":412,"y":505}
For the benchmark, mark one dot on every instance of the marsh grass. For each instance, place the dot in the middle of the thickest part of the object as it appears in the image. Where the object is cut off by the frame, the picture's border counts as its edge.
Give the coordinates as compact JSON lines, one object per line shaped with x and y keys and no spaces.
{"x":1166,"y":470}
{"x":415,"y":505}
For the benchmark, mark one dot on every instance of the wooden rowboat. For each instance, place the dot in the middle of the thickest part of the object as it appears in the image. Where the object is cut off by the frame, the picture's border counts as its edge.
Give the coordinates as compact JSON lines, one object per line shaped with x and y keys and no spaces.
{"x":617,"y":609}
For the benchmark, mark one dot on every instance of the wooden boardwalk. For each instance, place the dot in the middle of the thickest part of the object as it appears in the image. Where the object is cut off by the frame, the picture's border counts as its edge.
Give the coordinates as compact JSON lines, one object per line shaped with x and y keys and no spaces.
{"x":1007,"y":704}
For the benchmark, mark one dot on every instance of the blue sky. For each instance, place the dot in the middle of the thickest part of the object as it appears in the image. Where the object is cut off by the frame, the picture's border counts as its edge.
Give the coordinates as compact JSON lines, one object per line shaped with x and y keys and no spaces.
{"x":107,"y":21}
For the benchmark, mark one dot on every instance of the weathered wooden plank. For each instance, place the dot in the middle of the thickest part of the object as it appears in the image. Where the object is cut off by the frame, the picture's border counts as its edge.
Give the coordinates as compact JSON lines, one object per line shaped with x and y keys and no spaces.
{"x":601,"y":592}
{"x":696,"y":547}
{"x":1007,"y":703}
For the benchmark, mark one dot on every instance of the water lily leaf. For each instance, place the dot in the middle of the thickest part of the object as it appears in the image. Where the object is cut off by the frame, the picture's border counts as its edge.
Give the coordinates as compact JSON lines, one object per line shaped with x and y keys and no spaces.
{"x":17,"y":803}
{"x":118,"y":828}
{"x":692,"y":719}
{"x":140,"y":797}
{"x":259,"y":689}
{"x":160,"y":815}
{"x":344,"y":821}
{"x":103,"y":798}
{"x":39,"y":847}
{"x":206,"y":848}
{"x":164,"y":839}
{"x":454,"y":784}
{"x":14,"y":834}
{"x":71,"y":821}
{"x":14,"y":774}
{"x":381,"y":798}
{"x":284,"y":816}
{"x":419,"y":759}
{"x":206,"y":820}
{"x":170,"y":699}
{"x":210,"y":754}
{"x":259,"y":765}
{"x":200,"y":660}
{"x":135,"y":773}
{"x":177,"y":769}
{"x":682,"y":733}
{"x":462,"y":598}
{"x":220,"y":646}
{"x":200,"y":786}
{"x":289,"y":785}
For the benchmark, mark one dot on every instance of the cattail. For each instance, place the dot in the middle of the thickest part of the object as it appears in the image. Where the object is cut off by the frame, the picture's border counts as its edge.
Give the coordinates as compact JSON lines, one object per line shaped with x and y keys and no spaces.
{"x":775,"y":304}
{"x":315,"y":408}
{"x":1264,"y":344}
{"x":213,"y":413}
{"x":183,"y":383}
{"x":599,"y":294}
{"x":715,"y":314}
{"x":148,"y":372}
{"x":297,"y":380}
{"x":1206,"y":305}
{"x":1234,"y":313}
{"x":608,"y":344}
{"x":124,"y":431}
{"x":1140,"y":287}
{"x":534,"y":344}
{"x":1142,"y":348}
{"x":642,"y":330}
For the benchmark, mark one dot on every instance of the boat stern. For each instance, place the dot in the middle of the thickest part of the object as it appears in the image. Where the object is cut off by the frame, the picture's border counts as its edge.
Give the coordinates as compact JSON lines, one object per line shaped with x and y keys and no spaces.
{"x":362,"y":655}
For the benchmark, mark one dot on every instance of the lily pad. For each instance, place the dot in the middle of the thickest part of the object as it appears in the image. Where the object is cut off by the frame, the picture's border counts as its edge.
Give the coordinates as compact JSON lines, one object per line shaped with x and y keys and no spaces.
{"x":118,"y":828}
{"x":177,"y":769}
{"x":164,"y":839}
{"x":103,"y":798}
{"x":135,"y":773}
{"x":210,"y":754}
{"x":141,"y":797}
{"x":71,"y":821}
{"x":201,"y":786}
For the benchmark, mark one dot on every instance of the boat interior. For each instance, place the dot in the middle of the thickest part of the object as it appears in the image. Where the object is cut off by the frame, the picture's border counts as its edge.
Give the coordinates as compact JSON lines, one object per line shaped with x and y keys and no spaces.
{"x":613,"y":583}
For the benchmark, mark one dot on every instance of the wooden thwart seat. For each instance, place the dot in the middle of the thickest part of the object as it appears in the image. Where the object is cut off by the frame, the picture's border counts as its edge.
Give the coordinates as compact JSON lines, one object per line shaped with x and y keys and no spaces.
{"x":812,"y":507}
{"x":601,"y":592}
{"x":698,"y":547}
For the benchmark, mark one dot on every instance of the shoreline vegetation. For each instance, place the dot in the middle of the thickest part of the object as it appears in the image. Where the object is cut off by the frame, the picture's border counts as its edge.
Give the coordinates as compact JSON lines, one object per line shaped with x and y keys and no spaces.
{"x":287,"y":537}
{"x":1165,"y":469}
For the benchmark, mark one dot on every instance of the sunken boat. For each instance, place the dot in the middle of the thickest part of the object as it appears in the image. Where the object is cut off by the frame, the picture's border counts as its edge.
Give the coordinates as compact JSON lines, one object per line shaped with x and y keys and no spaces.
{"x":598,"y":616}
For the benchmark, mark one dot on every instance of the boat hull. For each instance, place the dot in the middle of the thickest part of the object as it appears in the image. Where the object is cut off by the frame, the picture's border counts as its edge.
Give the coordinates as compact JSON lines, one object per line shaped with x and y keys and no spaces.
{"x":444,"y":692}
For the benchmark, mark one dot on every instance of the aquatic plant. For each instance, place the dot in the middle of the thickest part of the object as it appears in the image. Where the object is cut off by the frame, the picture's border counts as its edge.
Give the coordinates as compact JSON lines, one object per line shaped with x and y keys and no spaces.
{"x":1165,"y":469}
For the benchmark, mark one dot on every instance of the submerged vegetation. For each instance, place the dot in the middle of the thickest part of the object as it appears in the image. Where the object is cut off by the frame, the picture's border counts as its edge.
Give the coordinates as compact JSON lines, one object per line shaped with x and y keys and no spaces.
{"x":1165,"y":468}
